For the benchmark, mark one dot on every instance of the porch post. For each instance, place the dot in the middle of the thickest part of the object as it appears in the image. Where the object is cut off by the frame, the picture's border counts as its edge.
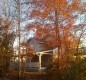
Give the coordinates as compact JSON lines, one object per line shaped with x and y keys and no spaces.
{"x":40,"y":55}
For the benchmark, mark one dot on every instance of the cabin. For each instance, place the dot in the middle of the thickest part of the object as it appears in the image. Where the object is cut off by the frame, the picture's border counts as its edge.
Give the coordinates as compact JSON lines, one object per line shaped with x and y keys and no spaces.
{"x":39,"y":61}
{"x":41,"y":57}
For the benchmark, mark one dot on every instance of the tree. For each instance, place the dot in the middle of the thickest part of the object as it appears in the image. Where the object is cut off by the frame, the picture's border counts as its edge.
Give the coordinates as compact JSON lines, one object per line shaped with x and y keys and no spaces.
{"x":7,"y":37}
{"x":53,"y":22}
{"x":46,"y":20}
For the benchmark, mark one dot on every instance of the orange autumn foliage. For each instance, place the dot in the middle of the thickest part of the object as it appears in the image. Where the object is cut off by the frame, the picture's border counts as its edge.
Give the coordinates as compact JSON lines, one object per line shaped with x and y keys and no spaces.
{"x":44,"y":15}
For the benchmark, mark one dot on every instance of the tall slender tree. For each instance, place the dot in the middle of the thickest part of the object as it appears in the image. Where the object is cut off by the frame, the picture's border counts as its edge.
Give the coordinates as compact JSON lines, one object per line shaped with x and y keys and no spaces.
{"x":51,"y":18}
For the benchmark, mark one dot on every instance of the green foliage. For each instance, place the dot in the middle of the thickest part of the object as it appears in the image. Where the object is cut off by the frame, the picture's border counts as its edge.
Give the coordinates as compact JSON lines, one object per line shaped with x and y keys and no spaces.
{"x":54,"y":72}
{"x":81,"y":70}
{"x":76,"y":71}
